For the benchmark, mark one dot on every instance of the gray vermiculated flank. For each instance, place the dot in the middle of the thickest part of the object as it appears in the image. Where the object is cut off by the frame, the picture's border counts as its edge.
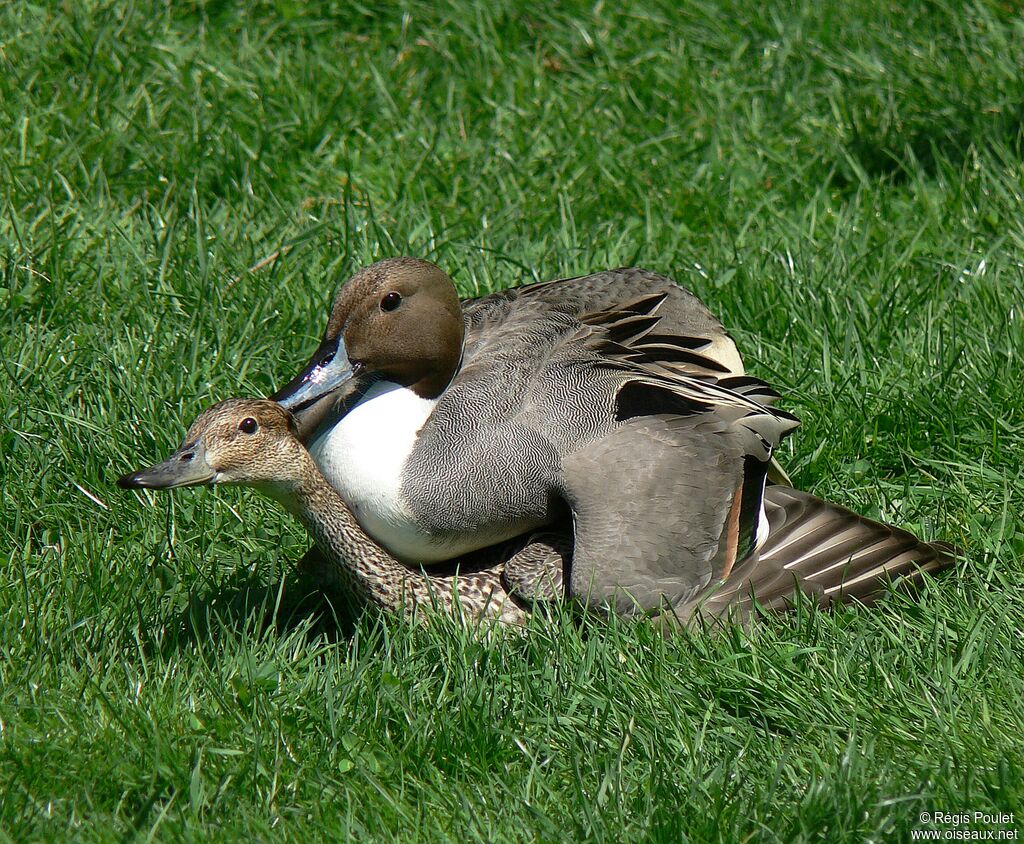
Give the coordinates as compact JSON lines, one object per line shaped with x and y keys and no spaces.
{"x":530,"y":424}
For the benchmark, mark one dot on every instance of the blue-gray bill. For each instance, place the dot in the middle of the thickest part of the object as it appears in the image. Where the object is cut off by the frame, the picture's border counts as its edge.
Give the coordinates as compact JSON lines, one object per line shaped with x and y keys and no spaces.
{"x":325,"y":374}
{"x":313,"y":393}
{"x":186,"y":467}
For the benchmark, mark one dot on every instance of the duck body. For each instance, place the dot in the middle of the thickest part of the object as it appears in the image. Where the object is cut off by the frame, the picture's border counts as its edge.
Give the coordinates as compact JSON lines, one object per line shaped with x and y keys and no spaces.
{"x":253,"y":443}
{"x":532,"y":390}
{"x":435,"y":478}
{"x":615,"y":400}
{"x":613,"y":408}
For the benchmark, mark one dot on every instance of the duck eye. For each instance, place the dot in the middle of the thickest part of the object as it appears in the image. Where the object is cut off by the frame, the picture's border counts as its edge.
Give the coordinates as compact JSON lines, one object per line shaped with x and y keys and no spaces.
{"x":326,"y":359}
{"x":248,"y":425}
{"x":391,"y":301}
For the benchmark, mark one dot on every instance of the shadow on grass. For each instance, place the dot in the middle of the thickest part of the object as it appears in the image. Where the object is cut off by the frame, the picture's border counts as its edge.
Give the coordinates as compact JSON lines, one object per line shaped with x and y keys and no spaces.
{"x":304,"y":600}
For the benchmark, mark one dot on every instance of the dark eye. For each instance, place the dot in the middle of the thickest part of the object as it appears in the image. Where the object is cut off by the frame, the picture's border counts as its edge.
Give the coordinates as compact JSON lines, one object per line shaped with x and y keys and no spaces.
{"x":326,"y":359}
{"x":248,"y":425}
{"x":391,"y":301}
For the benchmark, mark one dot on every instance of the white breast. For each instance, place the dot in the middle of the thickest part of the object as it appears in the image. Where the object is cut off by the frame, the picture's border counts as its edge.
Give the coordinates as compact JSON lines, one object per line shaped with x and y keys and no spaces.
{"x":363,"y":457}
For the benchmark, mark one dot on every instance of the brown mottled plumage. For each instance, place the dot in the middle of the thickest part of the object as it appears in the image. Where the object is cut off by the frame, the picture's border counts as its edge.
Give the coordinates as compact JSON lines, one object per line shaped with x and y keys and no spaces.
{"x":254,"y":443}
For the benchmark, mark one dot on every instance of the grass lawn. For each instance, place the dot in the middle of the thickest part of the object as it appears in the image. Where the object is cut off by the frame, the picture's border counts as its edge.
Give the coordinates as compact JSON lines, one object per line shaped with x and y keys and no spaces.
{"x":843,"y":185}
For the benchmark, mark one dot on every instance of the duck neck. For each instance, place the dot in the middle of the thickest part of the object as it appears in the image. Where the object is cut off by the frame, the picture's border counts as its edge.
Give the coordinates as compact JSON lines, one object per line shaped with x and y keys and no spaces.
{"x":369,"y":569}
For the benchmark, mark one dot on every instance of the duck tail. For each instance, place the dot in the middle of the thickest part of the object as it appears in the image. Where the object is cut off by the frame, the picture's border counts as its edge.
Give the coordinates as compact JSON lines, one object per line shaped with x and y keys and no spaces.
{"x":830,"y":554}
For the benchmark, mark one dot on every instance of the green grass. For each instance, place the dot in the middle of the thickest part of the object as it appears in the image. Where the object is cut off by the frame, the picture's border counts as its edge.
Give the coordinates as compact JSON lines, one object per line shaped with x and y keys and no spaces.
{"x":843,"y":185}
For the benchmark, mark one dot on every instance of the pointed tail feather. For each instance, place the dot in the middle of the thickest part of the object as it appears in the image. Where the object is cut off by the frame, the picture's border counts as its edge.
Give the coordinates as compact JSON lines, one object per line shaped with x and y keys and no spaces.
{"x":829,"y":553}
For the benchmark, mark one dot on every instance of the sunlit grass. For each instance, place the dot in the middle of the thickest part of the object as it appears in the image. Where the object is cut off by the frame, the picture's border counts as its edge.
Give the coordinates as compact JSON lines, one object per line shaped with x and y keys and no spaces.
{"x":843,"y":186}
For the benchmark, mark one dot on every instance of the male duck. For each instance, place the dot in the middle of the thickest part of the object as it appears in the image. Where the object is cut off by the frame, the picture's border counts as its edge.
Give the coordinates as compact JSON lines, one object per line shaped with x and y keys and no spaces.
{"x":613,"y":406}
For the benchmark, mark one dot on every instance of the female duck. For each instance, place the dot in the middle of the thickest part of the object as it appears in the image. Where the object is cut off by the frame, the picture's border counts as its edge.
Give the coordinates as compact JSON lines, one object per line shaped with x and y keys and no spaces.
{"x":254,"y":443}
